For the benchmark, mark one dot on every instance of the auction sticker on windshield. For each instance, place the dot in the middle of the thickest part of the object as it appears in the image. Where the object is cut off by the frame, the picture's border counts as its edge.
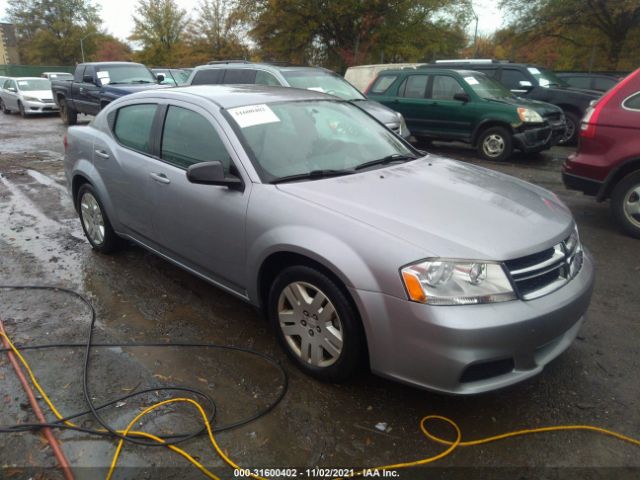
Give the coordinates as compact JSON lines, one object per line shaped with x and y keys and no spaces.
{"x":253,"y":115}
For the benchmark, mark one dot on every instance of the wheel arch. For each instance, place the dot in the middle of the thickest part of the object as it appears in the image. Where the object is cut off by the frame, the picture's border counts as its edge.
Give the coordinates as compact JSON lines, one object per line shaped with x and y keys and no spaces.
{"x":616,"y":175}
{"x":489,"y":123}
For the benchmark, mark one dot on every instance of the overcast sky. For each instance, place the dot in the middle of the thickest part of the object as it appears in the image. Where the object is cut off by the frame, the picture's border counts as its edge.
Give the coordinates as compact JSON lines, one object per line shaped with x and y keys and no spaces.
{"x":116,"y":15}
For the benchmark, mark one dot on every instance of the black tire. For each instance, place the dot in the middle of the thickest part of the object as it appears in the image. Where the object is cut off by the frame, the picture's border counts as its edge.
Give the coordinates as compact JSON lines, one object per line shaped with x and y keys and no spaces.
{"x":110,"y":241}
{"x":23,"y":113}
{"x":352,"y":352}
{"x":69,"y":115}
{"x":627,"y":190}
{"x":4,"y":108}
{"x":495,"y":143}
{"x":573,"y":129}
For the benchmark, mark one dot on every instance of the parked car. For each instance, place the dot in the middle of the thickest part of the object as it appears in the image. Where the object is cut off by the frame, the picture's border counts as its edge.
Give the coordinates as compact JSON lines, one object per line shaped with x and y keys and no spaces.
{"x":27,"y":95}
{"x":57,"y":75}
{"x":607,"y":163}
{"x":310,"y":78}
{"x":468,"y":106}
{"x":362,"y":76}
{"x":95,"y":85}
{"x":172,"y":76}
{"x":360,"y":248}
{"x":590,"y":81}
{"x":534,"y":82}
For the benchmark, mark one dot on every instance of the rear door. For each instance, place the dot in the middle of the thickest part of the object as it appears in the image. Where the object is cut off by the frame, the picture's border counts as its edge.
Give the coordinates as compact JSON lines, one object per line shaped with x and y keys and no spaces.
{"x":202,"y":226}
{"x":411,"y":102}
{"x":125,"y":162}
{"x":10,"y":94}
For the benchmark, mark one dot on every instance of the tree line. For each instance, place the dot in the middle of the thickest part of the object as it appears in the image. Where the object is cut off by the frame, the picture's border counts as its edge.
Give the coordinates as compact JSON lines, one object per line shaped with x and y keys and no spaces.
{"x":561,"y":34}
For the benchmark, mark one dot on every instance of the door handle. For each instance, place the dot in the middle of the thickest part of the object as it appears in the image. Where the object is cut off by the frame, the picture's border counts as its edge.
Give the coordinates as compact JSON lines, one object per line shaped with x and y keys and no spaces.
{"x":102,"y":154}
{"x":160,"y":177}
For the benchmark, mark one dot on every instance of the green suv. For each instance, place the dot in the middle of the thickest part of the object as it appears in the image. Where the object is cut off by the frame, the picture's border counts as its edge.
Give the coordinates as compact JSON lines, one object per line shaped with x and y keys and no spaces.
{"x":467,"y":106}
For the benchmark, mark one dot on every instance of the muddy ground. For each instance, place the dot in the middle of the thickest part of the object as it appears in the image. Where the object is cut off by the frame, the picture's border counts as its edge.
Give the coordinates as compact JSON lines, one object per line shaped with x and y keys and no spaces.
{"x":140,"y":297}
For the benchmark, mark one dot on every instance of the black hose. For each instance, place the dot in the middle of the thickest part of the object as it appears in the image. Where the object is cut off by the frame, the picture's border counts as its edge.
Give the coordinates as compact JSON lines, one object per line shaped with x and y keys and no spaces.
{"x":93,"y":409}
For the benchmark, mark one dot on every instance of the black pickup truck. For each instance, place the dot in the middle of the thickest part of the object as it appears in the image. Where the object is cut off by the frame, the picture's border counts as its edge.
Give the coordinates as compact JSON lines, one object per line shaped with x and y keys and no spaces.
{"x":535,"y":83}
{"x":95,"y":85}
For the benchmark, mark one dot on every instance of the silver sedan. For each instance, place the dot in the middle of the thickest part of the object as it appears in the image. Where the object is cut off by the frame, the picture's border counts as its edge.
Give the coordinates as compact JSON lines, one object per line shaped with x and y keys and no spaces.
{"x":361,"y":250}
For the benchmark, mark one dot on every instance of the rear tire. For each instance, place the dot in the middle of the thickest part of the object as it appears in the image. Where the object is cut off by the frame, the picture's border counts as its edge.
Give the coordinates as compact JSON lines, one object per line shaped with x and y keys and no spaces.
{"x":495,"y":143}
{"x":69,"y":115}
{"x":4,"y":108}
{"x":94,"y":220}
{"x":625,"y":204}
{"x":316,"y":324}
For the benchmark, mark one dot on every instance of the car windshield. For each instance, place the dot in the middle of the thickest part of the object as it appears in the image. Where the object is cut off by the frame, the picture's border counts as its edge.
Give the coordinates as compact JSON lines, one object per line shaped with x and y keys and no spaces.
{"x":297,"y":138}
{"x":321,"y":81}
{"x":124,"y":74}
{"x":487,"y":87}
{"x":547,"y":78}
{"x":34,"y":84}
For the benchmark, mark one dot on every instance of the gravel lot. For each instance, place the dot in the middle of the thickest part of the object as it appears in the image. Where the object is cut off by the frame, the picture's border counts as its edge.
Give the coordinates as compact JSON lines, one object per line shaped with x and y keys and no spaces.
{"x":140,"y":297}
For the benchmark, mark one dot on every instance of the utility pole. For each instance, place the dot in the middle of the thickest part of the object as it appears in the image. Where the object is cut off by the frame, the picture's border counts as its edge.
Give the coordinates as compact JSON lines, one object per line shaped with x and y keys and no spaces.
{"x":475,"y":33}
{"x":82,"y":43}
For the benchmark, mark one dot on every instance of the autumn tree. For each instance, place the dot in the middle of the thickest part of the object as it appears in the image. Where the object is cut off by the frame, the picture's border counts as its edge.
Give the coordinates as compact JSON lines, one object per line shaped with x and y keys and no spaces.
{"x":160,"y":26}
{"x":352,"y":32}
{"x":215,"y":34}
{"x":580,"y":24}
{"x":49,"y":31}
{"x":111,"y":49}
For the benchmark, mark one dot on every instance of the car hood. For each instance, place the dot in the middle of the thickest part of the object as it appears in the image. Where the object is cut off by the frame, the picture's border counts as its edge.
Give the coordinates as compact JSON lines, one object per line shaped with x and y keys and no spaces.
{"x":42,"y":94}
{"x":447,"y":208}
{"x":543,"y":108}
{"x":577,"y":92}
{"x":131,"y":87}
{"x":379,"y":112}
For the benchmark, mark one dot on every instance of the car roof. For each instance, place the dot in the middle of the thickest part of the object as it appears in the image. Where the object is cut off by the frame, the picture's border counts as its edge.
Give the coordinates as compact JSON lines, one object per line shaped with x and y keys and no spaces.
{"x":281,"y":68}
{"x":109,"y":63}
{"x":230,"y":96}
{"x":27,"y":78}
{"x":428,"y":69}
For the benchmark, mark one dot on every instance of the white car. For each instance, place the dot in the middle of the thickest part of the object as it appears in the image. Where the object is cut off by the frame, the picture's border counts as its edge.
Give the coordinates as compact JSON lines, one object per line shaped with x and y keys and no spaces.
{"x":28,"y":95}
{"x":57,"y":75}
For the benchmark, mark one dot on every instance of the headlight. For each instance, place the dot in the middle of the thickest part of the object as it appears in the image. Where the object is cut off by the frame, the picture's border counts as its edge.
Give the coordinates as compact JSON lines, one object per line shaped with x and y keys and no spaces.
{"x":529,"y":116}
{"x":456,"y":282}
{"x":31,"y":99}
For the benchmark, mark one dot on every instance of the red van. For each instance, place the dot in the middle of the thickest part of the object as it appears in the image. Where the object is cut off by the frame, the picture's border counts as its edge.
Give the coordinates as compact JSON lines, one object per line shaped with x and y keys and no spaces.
{"x":607,"y":162}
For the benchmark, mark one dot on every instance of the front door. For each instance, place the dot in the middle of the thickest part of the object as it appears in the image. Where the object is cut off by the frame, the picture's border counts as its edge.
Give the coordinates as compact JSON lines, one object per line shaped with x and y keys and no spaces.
{"x":449,"y":118}
{"x":202,"y":226}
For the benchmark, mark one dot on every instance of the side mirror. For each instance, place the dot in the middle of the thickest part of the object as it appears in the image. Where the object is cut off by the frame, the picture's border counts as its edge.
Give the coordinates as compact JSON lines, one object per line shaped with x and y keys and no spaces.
{"x":212,"y":173}
{"x":160,"y":77}
{"x":462,"y":97}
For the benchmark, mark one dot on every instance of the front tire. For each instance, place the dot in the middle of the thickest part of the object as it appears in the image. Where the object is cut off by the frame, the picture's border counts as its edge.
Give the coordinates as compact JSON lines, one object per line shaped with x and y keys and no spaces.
{"x":69,"y":115}
{"x":316,"y":324}
{"x":625,"y":204}
{"x":495,"y":143}
{"x":573,"y":128}
{"x":23,"y":113}
{"x":95,"y":222}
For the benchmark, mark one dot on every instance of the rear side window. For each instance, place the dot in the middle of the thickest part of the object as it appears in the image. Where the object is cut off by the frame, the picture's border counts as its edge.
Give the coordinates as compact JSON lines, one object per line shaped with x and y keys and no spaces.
{"x":632,"y":102}
{"x":603,"y":84}
{"x":415,"y":86}
{"x":240,"y":76}
{"x":189,"y":138}
{"x":211,"y":76}
{"x":265,"y":78}
{"x":383,"y":83}
{"x":578,"y":82}
{"x":445,"y":87}
{"x":79,"y":74}
{"x":133,"y":126}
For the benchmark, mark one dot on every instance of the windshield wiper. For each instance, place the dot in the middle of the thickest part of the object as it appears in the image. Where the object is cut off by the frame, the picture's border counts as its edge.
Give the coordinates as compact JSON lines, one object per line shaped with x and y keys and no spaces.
{"x":141,"y":81}
{"x":396,"y":157}
{"x":312,"y":175}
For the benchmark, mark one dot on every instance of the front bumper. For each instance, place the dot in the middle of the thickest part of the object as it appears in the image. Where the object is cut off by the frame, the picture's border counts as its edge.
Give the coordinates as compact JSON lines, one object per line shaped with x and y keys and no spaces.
{"x":40,"y":107}
{"x":472,"y":348}
{"x":532,"y":139}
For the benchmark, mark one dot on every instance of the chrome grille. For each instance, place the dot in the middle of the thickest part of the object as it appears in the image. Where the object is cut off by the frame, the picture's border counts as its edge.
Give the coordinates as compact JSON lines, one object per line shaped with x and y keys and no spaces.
{"x":544,"y":272}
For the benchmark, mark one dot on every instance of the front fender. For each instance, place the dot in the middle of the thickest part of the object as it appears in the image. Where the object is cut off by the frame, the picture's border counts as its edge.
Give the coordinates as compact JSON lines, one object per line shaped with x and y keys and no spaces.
{"x":322,"y":247}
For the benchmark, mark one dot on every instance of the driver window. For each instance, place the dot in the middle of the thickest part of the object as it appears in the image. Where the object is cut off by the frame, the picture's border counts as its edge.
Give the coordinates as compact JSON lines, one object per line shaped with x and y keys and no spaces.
{"x":189,"y":138}
{"x":444,"y":87}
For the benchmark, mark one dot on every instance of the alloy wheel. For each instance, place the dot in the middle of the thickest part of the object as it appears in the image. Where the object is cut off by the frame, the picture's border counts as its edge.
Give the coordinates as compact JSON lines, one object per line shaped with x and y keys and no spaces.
{"x":493,"y":145}
{"x":92,"y":218}
{"x":568,"y":133}
{"x":310,"y":324}
{"x":631,"y":206}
